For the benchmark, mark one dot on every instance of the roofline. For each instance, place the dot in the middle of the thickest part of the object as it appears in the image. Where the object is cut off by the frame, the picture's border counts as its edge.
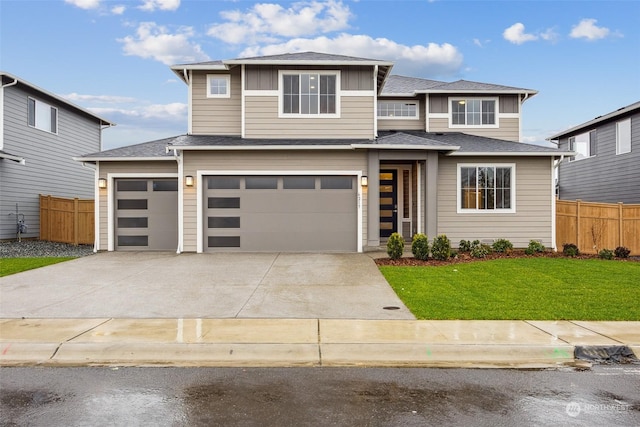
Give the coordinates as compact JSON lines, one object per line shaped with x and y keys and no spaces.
{"x":514,"y":153}
{"x":484,"y":91}
{"x":307,"y":62}
{"x":58,"y":98}
{"x":408,"y":147}
{"x":123,"y":159}
{"x":258,"y":147}
{"x":619,"y":112}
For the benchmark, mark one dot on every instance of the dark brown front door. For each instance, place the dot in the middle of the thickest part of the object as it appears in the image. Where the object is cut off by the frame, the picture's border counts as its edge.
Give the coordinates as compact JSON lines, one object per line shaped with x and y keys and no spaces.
{"x":388,"y":202}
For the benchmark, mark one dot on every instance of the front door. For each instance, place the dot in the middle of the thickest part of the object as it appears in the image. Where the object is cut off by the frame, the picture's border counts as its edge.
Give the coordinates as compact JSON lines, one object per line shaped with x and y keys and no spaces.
{"x":388,"y":202}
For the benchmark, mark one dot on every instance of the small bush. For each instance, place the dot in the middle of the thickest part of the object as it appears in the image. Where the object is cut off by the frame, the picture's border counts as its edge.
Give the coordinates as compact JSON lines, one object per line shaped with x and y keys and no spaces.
{"x":464,"y":246}
{"x":395,"y":246}
{"x":475,"y":243}
{"x":622,"y":252}
{"x":534,"y":247}
{"x":570,"y":250}
{"x":606,"y":254}
{"x":420,"y":246}
{"x":441,"y":248}
{"x":502,"y":245}
{"x":480,"y":251}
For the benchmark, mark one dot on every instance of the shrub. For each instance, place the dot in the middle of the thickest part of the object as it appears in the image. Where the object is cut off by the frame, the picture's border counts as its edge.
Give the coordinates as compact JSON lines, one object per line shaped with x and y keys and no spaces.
{"x":441,"y":248}
{"x":606,"y":254}
{"x":502,"y":245}
{"x":420,"y":246}
{"x":534,"y":247}
{"x":395,"y":246}
{"x":464,"y":246}
{"x":570,"y":250}
{"x":480,"y":251}
{"x":622,"y":252}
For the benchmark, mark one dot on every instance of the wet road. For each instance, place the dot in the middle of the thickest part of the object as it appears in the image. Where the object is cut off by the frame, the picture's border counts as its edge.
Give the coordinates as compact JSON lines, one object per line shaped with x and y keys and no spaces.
{"x":603,"y":396}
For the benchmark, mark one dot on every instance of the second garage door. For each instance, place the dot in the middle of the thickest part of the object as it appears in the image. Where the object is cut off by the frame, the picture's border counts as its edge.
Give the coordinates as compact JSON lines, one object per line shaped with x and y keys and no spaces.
{"x":280,"y":213}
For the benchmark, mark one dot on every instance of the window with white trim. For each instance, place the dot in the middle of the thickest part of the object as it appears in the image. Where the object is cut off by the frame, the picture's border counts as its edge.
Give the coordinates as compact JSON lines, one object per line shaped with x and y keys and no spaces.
{"x":473,"y":112}
{"x":486,"y":188}
{"x":623,"y":136}
{"x":398,"y":110}
{"x":584,"y":145}
{"x":218,"y":86}
{"x":309,"y":94}
{"x":42,"y":116}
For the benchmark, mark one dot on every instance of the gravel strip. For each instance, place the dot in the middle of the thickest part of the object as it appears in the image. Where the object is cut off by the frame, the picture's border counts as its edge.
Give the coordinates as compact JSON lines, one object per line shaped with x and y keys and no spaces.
{"x":38,"y":248}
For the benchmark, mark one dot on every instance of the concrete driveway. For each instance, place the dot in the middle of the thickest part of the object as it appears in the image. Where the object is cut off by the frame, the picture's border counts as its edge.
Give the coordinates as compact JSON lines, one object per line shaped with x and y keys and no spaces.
{"x":167,"y":285}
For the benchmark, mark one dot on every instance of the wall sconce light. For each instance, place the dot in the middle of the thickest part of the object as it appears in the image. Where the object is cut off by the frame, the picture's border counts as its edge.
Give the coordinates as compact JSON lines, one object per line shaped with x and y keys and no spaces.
{"x":102,"y":183}
{"x":188,"y":181}
{"x":364,"y":181}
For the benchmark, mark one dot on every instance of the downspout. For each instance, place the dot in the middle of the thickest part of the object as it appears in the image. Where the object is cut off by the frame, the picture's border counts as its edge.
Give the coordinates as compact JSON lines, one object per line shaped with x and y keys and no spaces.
{"x":15,"y":82}
{"x":179,"y":159}
{"x":526,"y":96}
{"x":375,"y":102}
{"x":188,"y":80}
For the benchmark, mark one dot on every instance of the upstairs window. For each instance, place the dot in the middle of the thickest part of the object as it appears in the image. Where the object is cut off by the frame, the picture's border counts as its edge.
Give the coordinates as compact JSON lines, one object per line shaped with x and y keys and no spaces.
{"x":309,"y":94}
{"x":486,"y":188}
{"x":584,"y":145}
{"x":42,"y":116}
{"x":473,"y":112}
{"x":623,"y":136}
{"x":398,"y":110}
{"x":218,"y":86}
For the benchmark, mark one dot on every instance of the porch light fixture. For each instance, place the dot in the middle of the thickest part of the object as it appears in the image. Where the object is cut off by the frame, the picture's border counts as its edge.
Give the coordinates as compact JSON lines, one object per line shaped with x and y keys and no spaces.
{"x":364,"y":181}
{"x":102,"y":183}
{"x":188,"y":181}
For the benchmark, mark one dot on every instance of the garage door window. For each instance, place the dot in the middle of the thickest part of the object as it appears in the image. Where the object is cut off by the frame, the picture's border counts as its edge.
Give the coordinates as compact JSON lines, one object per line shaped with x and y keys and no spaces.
{"x":224,"y":182}
{"x":299,"y":183}
{"x":133,"y":222}
{"x":132,"y":203}
{"x":224,"y":241}
{"x":165,"y":185}
{"x":261,"y":183}
{"x":224,"y":202}
{"x":132,"y":185}
{"x":336,"y":183}
{"x":133,"y":240}
{"x":224,"y":222}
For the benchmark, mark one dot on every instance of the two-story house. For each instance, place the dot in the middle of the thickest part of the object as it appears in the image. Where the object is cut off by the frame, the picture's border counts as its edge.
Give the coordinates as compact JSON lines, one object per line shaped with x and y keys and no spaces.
{"x":320,"y":152}
{"x":606,"y":167}
{"x":40,"y":133}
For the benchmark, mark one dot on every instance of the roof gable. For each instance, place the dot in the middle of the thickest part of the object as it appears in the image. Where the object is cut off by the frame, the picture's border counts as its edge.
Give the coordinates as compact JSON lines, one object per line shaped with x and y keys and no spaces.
{"x":628,"y":110}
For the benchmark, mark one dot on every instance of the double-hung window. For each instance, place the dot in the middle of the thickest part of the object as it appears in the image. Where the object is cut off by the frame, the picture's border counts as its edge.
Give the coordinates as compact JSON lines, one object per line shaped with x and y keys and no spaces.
{"x":584,"y":145}
{"x":42,"y":115}
{"x":486,"y":188}
{"x":309,"y":94}
{"x":218,"y":86}
{"x":623,"y":136}
{"x":474,"y":112}
{"x":398,"y":110}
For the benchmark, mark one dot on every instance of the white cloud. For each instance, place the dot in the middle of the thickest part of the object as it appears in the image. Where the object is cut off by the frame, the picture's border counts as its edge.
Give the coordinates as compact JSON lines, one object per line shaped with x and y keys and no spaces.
{"x":432,"y":59}
{"x":515,"y":34}
{"x":588,"y":29}
{"x":549,"y":35}
{"x":175,"y":111}
{"x":155,"y":42}
{"x":118,"y":10}
{"x":152,"y":5}
{"x":109,"y":99}
{"x":84,"y":4}
{"x":268,"y":22}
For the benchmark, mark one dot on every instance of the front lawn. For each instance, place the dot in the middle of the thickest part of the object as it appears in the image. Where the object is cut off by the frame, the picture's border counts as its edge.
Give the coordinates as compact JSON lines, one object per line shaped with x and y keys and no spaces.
{"x":521,"y":289}
{"x":16,"y":265}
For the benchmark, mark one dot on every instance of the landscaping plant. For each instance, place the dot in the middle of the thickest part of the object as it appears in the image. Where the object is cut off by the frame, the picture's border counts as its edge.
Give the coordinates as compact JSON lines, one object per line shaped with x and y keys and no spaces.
{"x":570,"y":250}
{"x":441,"y":248}
{"x":464,"y":246}
{"x":395,"y":246}
{"x":605,"y":254}
{"x":534,"y":247}
{"x":420,"y":246}
{"x":622,"y":252}
{"x":502,"y":246}
{"x":480,"y":250}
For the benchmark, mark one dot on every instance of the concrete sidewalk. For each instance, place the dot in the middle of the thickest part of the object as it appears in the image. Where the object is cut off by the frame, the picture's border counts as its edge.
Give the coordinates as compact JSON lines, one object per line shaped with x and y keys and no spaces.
{"x":304,"y":342}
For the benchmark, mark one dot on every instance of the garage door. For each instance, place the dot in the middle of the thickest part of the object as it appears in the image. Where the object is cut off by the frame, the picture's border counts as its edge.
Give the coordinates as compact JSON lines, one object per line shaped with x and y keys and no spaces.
{"x":280,"y":213}
{"x":146,"y":214}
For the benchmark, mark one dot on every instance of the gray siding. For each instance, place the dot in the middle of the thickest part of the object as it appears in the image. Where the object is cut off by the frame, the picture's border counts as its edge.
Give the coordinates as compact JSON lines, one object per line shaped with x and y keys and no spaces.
{"x":605,"y":177}
{"x":216,"y":116}
{"x":49,"y":167}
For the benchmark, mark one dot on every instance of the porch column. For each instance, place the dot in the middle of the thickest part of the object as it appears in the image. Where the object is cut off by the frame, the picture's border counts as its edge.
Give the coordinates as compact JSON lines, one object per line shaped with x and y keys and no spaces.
{"x":373,"y":199}
{"x":431,"y":194}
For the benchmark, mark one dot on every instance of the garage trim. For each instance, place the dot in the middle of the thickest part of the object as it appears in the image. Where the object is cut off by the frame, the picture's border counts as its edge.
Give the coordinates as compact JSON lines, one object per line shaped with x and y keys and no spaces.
{"x":111,"y":202}
{"x":200,"y":199}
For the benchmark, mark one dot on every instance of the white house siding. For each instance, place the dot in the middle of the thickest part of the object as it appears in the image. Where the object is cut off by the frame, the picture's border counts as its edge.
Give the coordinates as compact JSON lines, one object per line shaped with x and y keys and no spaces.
{"x":262,"y":121}
{"x":50,"y":168}
{"x":509,"y":129}
{"x":302,"y":161}
{"x":534,"y":213}
{"x":216,"y":116}
{"x":144,"y":169}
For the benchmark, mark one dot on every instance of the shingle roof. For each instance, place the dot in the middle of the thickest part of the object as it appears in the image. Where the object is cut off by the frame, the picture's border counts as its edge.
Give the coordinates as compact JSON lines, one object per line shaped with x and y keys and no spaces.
{"x":148,"y":150}
{"x":407,"y":85}
{"x":629,"y":109}
{"x":466,"y":85}
{"x":307,"y":56}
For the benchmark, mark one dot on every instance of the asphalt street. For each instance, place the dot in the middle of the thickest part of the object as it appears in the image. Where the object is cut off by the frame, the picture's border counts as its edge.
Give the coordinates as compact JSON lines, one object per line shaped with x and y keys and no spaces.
{"x":603,"y":395}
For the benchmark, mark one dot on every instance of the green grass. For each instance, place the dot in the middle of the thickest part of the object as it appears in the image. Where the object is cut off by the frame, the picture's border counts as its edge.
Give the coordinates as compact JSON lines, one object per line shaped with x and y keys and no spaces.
{"x":521,"y":289}
{"x":16,"y":265}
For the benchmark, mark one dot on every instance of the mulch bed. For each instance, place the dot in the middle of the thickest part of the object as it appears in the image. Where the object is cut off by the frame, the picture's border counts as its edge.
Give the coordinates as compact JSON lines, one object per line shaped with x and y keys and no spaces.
{"x":466,"y":257}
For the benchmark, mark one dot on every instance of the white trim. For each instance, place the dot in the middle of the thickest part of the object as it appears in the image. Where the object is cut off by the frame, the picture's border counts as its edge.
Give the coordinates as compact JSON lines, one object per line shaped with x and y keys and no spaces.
{"x":419,"y":193}
{"x":35,"y":119}
{"x":243,"y":116}
{"x":96,"y":209}
{"x":122,"y":159}
{"x":553,"y":206}
{"x":407,"y":147}
{"x":255,"y":92}
{"x":180,"y":160}
{"x":416,"y":117}
{"x":283,"y":115}
{"x":226,"y":78}
{"x":496,"y":112}
{"x":618,"y":123}
{"x":111,"y":211}
{"x":1,"y":116}
{"x":201,"y":194}
{"x":355,"y":93}
{"x":190,"y":104}
{"x":509,"y":115}
{"x":263,"y":147}
{"x":438,"y":115}
{"x":511,"y":153}
{"x":297,"y":62}
{"x":511,"y":210}
{"x":375,"y":102}
{"x":427,"y":113}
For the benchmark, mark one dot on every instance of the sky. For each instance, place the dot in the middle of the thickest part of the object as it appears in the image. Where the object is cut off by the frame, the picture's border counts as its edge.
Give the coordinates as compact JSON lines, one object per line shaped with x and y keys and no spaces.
{"x":112,"y":57}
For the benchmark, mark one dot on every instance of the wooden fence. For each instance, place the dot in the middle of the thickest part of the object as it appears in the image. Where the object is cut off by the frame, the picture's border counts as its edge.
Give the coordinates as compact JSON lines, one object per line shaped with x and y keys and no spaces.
{"x":596,"y":226}
{"x":67,"y":220}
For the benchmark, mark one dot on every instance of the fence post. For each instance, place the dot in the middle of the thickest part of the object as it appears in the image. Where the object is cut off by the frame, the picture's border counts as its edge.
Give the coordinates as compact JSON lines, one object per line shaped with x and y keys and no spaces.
{"x":76,"y":221}
{"x":578,"y":240}
{"x":620,"y":224}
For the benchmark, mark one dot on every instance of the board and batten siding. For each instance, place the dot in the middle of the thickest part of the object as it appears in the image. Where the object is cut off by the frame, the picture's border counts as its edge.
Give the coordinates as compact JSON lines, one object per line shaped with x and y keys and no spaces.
{"x":50,"y":168}
{"x":302,"y":161}
{"x":404,"y":124}
{"x":606,"y":177}
{"x":533,"y":218}
{"x":216,"y":116}
{"x":262,"y":121}
{"x":142,"y":168}
{"x":265,"y":77}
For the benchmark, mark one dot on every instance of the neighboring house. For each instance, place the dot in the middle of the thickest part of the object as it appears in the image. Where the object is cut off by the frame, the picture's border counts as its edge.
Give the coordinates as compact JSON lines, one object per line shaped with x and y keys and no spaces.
{"x":606,"y":167}
{"x":39,"y":134}
{"x":319,"y":152}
